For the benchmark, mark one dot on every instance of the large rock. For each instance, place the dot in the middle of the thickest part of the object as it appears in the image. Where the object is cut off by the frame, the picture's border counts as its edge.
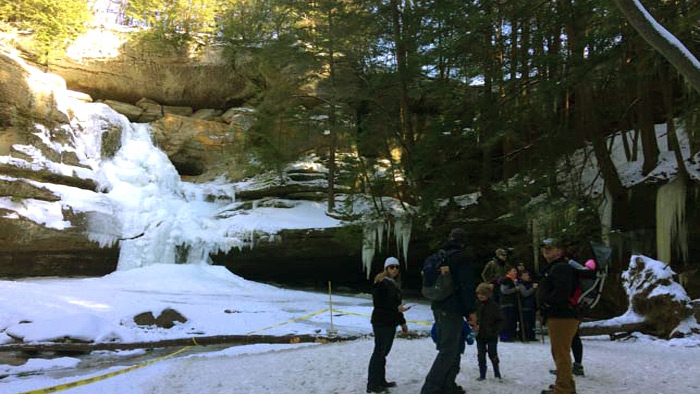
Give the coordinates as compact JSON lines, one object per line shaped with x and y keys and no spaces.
{"x":26,"y":92}
{"x":192,"y":144}
{"x":132,"y":112}
{"x":28,"y":249}
{"x":118,"y":67}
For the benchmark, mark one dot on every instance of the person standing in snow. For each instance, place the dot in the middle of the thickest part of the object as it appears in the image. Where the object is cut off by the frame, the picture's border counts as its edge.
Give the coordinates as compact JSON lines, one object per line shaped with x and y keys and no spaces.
{"x":490,"y":321}
{"x":559,"y":281}
{"x":495,"y":271}
{"x":449,"y":316}
{"x":386,"y":316}
{"x":509,"y":303}
{"x":587,"y":273}
{"x":528,"y":305}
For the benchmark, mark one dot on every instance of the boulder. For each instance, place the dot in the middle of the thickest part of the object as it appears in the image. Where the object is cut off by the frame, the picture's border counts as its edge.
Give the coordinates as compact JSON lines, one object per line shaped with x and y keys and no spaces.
{"x":207,"y":114}
{"x":182,"y":111}
{"x":168,"y":317}
{"x":145,"y":319}
{"x":151,"y":110}
{"x":132,"y":112}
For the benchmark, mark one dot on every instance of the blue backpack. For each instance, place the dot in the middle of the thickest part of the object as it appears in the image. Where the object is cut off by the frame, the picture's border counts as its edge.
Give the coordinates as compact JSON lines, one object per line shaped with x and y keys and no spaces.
{"x":436,"y":286}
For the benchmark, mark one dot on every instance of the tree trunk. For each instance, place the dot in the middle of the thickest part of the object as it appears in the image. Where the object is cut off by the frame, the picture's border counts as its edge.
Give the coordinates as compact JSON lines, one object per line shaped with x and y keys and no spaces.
{"x":198,"y":341}
{"x":662,"y":40}
{"x":331,"y":117}
{"x":590,"y":329}
{"x":650,"y":147}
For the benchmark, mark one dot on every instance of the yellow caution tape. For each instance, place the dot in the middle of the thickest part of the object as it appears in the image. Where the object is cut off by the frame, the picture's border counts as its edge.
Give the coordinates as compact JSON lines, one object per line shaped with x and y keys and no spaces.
{"x":424,"y":323}
{"x":289,"y":321}
{"x":94,"y":379}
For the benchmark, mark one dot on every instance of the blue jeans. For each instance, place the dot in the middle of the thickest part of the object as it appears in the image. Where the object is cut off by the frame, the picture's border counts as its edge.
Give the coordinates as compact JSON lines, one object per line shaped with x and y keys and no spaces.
{"x":442,"y":375}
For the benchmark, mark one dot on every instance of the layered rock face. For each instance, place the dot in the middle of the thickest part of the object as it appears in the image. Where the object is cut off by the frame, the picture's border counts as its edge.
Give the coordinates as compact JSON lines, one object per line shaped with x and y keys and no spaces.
{"x":43,"y":164}
{"x":109,"y":64}
{"x":28,"y":105}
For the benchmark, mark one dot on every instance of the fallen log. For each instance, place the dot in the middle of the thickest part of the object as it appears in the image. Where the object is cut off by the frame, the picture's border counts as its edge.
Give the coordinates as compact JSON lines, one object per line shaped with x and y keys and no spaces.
{"x":589,"y":329}
{"x":192,"y":341}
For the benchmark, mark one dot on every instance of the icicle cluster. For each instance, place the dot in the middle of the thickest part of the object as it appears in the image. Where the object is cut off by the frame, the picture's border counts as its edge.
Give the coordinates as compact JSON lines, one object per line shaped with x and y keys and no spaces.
{"x":373,"y":239}
{"x":670,"y":220}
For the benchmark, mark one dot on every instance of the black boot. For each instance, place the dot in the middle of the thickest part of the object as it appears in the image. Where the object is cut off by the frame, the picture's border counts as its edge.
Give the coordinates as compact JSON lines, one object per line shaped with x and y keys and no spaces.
{"x":496,"y":368}
{"x":482,"y":371}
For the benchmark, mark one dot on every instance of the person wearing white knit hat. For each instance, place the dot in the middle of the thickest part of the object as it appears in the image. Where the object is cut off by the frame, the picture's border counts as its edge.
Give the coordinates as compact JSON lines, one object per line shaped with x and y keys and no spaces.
{"x":391,"y":261}
{"x":386,"y":316}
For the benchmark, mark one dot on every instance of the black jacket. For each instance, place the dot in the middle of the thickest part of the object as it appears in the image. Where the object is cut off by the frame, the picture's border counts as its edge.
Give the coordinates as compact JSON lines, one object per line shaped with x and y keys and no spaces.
{"x":489,"y":319}
{"x":527,"y":296}
{"x":509,"y":292}
{"x":386,"y":298}
{"x":462,"y":301}
{"x":559,"y":280}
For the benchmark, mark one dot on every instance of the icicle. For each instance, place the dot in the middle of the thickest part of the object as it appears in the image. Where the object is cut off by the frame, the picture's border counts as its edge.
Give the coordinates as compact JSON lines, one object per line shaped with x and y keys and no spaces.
{"x":380,"y":227}
{"x":606,"y":212}
{"x":369,"y":239}
{"x":402,"y":234}
{"x":670,"y":220}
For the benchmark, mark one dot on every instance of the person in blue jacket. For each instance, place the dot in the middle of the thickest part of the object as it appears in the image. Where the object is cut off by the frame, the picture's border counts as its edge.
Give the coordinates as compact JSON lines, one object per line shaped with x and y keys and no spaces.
{"x":386,"y":316}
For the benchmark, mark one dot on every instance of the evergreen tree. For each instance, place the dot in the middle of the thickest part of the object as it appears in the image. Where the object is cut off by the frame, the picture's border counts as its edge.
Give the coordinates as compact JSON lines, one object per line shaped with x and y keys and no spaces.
{"x":54,"y":23}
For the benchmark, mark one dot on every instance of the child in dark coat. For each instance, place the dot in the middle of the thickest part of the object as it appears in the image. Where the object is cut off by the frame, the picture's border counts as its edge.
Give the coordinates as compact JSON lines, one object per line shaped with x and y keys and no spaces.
{"x":509,"y":304}
{"x":490,"y":321}
{"x":528,"y":304}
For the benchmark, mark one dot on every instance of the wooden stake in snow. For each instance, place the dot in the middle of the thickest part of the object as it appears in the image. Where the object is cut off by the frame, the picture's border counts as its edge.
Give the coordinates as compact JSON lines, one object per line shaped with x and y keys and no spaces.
{"x":331,"y":331}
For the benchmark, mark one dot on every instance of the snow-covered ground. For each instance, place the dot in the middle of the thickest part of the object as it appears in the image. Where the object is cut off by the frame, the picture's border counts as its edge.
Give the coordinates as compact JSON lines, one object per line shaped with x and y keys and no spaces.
{"x":217,"y":302}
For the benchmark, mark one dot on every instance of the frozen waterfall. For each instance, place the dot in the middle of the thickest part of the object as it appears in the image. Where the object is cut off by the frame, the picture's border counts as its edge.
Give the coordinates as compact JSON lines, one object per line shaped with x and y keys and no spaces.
{"x":155,"y":216}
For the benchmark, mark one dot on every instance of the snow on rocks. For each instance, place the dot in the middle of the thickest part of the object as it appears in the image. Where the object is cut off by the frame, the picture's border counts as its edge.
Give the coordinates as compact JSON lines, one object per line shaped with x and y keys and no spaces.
{"x":657,"y":298}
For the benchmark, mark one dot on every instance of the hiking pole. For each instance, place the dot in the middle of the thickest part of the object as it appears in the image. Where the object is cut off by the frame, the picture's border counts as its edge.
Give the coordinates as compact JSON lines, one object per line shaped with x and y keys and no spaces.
{"x":520,"y":313}
{"x":542,"y":328}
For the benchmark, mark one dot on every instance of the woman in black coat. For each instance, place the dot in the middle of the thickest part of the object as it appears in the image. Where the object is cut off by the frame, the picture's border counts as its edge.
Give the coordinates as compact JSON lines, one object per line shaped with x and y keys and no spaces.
{"x":386,"y":316}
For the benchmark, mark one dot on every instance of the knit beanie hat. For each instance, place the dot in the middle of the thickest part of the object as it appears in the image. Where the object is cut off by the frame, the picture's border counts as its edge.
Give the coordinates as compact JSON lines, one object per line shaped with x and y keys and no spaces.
{"x":391,"y":261}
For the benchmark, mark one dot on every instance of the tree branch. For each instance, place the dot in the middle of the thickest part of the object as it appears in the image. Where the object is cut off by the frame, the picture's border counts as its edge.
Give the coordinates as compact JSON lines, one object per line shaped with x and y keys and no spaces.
{"x":662,"y":40}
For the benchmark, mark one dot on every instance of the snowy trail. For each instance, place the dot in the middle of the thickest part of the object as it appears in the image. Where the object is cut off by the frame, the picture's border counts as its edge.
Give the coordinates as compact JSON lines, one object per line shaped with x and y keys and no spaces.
{"x":642,"y":367}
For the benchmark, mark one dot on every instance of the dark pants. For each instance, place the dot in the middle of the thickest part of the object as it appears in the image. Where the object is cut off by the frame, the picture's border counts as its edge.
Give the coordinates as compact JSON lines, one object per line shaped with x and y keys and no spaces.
{"x":383,"y":339}
{"x":510,"y":325}
{"x":529,"y":324}
{"x":483,"y":347}
{"x":577,"y":349}
{"x":442,"y":375}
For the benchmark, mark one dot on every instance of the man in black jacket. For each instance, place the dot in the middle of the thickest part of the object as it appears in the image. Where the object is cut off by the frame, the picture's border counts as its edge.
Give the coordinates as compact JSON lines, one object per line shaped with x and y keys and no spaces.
{"x":449,"y":316}
{"x":559,"y":311}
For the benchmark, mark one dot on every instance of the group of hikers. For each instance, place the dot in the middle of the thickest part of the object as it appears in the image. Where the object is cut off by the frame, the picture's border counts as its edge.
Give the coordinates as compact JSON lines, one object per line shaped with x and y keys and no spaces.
{"x":514,"y":291}
{"x":493,"y":309}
